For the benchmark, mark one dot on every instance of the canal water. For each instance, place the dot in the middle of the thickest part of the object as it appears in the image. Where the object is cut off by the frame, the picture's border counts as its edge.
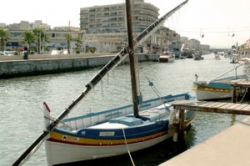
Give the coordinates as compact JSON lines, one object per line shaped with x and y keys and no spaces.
{"x":21,"y":99}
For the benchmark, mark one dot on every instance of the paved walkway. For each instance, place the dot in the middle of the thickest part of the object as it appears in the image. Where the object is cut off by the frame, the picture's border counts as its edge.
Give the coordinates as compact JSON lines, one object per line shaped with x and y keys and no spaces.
{"x":229,"y":148}
{"x":62,"y":56}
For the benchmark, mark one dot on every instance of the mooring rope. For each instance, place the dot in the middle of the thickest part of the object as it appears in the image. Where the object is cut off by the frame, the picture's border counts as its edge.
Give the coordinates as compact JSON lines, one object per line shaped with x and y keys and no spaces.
{"x":244,"y":95}
{"x":127,"y":147}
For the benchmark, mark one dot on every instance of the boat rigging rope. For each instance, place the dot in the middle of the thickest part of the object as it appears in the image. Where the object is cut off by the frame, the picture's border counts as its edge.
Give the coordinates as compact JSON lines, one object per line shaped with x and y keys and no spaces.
{"x":102,"y":88}
{"x":54,"y":119}
{"x":235,"y":69}
{"x":151,"y":84}
{"x":157,"y":92}
{"x":127,"y":147}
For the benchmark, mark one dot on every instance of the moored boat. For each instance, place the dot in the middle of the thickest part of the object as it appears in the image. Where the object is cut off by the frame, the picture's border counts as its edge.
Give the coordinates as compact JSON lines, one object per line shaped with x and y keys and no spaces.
{"x":109,"y":133}
{"x":220,"y":87}
{"x":167,"y":56}
{"x":217,"y":56}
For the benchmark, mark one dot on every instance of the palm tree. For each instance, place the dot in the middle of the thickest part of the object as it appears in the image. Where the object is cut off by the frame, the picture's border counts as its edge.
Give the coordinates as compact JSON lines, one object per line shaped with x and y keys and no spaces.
{"x":28,"y":38}
{"x":39,"y":34}
{"x":68,"y":38}
{"x":4,"y":37}
{"x":78,"y":44}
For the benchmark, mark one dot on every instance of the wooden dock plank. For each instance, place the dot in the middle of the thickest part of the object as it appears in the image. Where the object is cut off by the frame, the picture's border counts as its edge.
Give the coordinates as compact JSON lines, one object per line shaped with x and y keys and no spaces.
{"x":241,"y":106}
{"x":234,"y":106}
{"x":211,"y":104}
{"x":216,"y":107}
{"x":183,"y":102}
{"x":247,"y":108}
{"x":204,"y":104}
{"x":226,"y":106}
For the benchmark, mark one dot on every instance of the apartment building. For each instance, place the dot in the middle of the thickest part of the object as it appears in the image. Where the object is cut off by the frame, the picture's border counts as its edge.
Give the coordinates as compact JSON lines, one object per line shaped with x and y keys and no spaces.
{"x":107,"y":24}
{"x":112,"y":19}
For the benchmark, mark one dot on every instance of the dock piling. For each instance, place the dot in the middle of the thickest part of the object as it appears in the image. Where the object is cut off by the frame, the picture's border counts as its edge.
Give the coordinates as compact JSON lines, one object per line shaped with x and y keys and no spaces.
{"x":233,"y":93}
{"x":181,"y":124}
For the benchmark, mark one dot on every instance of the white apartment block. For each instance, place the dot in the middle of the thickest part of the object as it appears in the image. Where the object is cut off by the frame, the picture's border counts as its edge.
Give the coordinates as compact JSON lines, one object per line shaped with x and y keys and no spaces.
{"x":112,"y":19}
{"x":107,"y":24}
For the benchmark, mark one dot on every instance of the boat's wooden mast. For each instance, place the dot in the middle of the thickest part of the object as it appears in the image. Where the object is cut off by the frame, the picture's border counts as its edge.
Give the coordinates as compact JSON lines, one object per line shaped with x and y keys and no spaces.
{"x":132,"y":60}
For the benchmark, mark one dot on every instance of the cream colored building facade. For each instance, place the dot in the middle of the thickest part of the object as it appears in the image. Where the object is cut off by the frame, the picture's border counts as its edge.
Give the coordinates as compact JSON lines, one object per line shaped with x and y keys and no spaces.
{"x":106,"y":25}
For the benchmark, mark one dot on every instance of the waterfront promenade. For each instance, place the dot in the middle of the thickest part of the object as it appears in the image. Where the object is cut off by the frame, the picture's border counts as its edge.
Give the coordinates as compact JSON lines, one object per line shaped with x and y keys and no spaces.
{"x":47,"y":56}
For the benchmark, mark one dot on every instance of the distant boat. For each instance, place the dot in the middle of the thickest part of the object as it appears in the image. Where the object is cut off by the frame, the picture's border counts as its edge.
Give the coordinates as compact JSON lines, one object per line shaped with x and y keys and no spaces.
{"x":177,"y":53}
{"x":167,"y":56}
{"x":216,"y":56}
{"x":197,"y":55}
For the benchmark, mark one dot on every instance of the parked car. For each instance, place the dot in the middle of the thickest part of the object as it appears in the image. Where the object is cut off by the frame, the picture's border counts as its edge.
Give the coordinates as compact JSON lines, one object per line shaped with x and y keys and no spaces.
{"x":9,"y":53}
{"x":64,"y":52}
{"x":55,"y":52}
{"x":2,"y":53}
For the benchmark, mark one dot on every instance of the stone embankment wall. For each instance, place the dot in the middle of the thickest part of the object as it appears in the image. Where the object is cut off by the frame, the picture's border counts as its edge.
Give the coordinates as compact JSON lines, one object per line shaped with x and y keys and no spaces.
{"x":16,"y":66}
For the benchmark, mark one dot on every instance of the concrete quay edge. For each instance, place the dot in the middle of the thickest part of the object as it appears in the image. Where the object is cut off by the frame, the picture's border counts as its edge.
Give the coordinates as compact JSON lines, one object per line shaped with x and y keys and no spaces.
{"x":231,"y":147}
{"x":16,"y":66}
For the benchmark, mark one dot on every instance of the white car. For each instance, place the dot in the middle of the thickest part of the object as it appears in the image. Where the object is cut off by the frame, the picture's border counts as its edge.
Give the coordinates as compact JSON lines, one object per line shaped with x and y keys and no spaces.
{"x":2,"y":53}
{"x":64,"y":52}
{"x":9,"y":53}
{"x":55,"y":52}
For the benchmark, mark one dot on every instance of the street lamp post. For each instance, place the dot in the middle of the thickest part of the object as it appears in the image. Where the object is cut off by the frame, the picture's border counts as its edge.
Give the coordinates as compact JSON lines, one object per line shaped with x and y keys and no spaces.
{"x":40,"y":37}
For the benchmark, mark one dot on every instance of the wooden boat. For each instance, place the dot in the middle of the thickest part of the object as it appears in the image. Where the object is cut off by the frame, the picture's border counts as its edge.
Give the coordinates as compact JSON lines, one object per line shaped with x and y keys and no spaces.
{"x":216,"y":89}
{"x":167,"y":56}
{"x":115,"y":131}
{"x":220,"y":87}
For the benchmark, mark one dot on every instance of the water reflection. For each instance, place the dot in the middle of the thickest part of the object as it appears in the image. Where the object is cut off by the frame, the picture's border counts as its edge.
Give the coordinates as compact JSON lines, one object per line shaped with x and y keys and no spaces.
{"x":233,"y":119}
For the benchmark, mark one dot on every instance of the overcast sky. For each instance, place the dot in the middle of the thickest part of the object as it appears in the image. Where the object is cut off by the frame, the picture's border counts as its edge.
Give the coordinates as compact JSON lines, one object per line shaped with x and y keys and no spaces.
{"x":218,"y":20}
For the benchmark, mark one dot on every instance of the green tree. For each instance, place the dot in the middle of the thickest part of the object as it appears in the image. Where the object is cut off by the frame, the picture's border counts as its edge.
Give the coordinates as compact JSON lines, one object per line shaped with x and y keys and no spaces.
{"x":28,"y":37}
{"x":78,"y":44}
{"x":69,"y":38}
{"x":4,"y":37}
